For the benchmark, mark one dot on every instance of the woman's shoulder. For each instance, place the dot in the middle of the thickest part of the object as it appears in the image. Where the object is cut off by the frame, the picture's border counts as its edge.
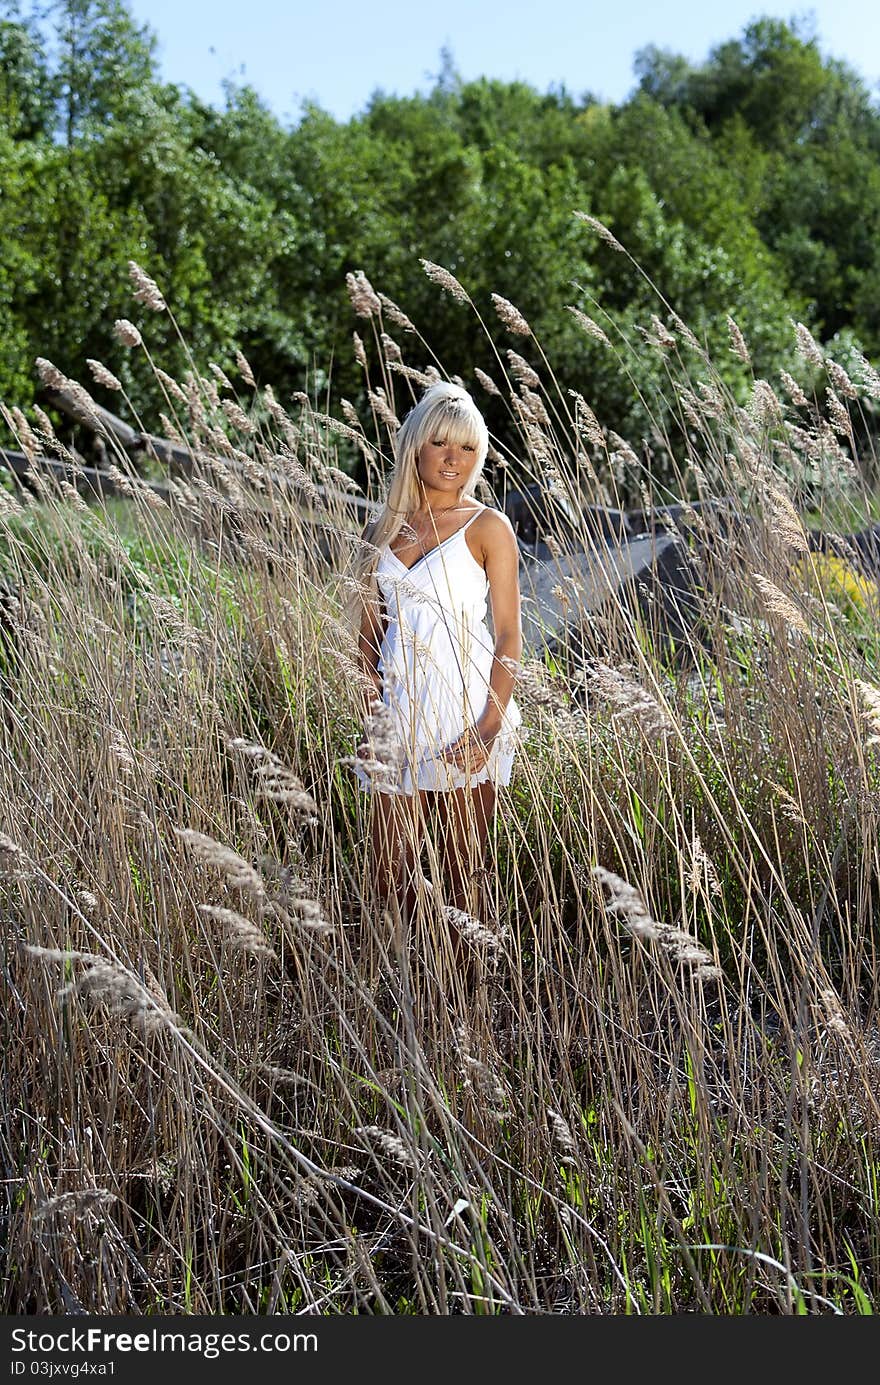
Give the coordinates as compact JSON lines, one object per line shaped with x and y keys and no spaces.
{"x":490,"y":521}
{"x":494,"y":534}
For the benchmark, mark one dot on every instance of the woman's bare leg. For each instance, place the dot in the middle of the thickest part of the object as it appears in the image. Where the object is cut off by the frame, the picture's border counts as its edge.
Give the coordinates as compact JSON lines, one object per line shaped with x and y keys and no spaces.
{"x":390,"y":849}
{"x":397,"y":833}
{"x":464,"y":817}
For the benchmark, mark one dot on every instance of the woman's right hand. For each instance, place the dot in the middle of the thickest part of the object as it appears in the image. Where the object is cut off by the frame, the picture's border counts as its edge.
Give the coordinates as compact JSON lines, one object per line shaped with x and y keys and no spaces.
{"x":372,"y":702}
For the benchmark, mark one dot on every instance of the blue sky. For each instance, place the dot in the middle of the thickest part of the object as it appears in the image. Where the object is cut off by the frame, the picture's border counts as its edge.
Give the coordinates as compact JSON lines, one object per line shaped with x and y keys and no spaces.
{"x":337,"y":52}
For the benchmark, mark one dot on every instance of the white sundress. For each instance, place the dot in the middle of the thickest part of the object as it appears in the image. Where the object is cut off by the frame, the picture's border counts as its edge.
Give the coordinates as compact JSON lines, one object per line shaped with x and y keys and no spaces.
{"x":435,"y":663}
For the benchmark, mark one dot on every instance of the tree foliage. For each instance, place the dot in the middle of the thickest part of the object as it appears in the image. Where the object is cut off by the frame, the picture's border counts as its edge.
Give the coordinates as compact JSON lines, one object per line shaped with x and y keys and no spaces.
{"x":747,"y":185}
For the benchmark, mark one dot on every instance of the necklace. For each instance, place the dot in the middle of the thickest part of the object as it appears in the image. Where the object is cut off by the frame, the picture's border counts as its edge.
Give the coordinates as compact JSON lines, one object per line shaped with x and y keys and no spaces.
{"x":447,"y":509}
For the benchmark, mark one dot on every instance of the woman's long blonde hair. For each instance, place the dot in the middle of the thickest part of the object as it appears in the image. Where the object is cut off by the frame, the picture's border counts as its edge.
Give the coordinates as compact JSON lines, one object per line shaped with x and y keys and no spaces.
{"x":446,"y":410}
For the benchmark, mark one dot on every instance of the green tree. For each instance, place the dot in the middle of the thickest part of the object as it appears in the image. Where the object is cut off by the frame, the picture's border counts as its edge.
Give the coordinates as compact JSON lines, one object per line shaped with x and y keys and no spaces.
{"x":803,"y":135}
{"x":104,"y":59}
{"x":26,"y":97}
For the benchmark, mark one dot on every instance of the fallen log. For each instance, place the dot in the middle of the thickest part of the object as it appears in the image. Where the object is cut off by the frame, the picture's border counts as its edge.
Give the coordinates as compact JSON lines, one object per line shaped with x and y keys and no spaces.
{"x":88,"y":480}
{"x":96,"y":417}
{"x":182,"y":461}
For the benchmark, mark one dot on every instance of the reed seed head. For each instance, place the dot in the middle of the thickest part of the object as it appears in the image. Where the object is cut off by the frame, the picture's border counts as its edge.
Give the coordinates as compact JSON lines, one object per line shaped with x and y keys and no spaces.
{"x":102,"y":376}
{"x":448,"y":282}
{"x":601,"y":230}
{"x":807,"y":345}
{"x":127,"y":333}
{"x":738,"y":342}
{"x":521,"y":371}
{"x":239,"y":874}
{"x":395,"y":314}
{"x":511,"y":316}
{"x":146,"y":290}
{"x":486,"y":381}
{"x":793,"y":390}
{"x":778,"y":604}
{"x":591,"y":328}
{"x":244,"y":369}
{"x":240,"y":932}
{"x":364,"y":299}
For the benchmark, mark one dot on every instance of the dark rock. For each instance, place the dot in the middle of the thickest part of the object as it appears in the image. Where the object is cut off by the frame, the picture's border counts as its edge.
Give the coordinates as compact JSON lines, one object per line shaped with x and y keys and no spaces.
{"x":654,"y":575}
{"x":536,"y":515}
{"x":686,"y":518}
{"x":861,"y":549}
{"x":666,"y":589}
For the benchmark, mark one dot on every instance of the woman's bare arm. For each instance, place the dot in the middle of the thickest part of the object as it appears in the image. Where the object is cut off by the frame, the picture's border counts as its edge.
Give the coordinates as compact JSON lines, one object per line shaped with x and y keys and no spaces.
{"x":501,"y":562}
{"x":370,"y":636}
{"x":369,"y":644}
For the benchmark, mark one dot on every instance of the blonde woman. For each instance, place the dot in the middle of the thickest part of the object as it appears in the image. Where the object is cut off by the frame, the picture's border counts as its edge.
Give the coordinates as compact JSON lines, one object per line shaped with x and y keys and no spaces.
{"x":440,"y":714}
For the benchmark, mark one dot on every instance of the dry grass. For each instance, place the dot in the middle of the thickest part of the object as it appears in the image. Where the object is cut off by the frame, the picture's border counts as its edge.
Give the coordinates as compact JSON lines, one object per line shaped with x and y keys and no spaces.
{"x":232,"y":1083}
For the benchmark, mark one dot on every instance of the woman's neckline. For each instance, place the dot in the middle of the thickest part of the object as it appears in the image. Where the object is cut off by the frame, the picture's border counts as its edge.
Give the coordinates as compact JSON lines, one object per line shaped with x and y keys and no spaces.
{"x":434,"y":547}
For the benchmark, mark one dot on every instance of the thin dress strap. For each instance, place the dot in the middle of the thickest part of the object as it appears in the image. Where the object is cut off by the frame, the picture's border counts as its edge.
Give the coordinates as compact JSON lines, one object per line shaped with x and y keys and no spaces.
{"x":471,"y":520}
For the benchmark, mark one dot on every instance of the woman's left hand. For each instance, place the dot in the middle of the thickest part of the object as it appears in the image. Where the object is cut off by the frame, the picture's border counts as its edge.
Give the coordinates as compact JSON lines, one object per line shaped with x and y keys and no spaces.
{"x":470,"y":752}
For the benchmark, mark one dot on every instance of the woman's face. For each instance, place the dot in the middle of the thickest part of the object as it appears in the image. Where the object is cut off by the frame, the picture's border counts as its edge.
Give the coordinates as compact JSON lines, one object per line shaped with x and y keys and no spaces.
{"x":445,"y":466}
